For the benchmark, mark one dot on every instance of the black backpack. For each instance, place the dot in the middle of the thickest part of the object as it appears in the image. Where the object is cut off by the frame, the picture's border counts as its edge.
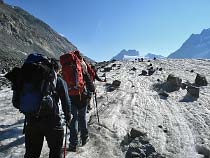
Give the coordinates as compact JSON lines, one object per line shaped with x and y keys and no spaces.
{"x":36,"y":86}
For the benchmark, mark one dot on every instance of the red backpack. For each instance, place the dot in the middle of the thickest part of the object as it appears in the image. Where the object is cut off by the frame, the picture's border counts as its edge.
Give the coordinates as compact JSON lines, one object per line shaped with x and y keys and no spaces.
{"x":91,"y":72}
{"x":72,"y":73}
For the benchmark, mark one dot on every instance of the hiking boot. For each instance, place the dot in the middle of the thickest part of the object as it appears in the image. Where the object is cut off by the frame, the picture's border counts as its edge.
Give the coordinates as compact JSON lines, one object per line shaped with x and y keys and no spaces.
{"x":72,"y":148}
{"x":85,"y":140}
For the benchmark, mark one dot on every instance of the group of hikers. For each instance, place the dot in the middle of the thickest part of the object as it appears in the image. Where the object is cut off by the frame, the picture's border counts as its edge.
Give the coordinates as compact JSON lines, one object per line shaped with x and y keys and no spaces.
{"x":41,"y":88}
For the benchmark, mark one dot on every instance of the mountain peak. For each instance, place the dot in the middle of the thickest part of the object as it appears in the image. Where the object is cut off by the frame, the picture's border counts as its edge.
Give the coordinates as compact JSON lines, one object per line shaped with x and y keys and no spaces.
{"x":205,"y":31}
{"x":124,"y":53}
{"x":196,"y":46}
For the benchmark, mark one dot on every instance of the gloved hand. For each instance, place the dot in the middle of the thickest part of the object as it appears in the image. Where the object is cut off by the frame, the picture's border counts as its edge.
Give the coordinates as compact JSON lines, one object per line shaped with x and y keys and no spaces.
{"x":68,"y":120}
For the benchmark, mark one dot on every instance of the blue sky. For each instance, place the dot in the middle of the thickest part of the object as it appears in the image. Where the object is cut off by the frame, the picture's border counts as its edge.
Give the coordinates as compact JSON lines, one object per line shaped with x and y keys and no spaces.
{"x":102,"y":28}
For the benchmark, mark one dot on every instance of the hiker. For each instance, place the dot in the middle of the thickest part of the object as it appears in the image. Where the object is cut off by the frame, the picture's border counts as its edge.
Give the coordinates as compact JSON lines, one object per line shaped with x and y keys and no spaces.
{"x":75,"y":73}
{"x":46,"y":120}
{"x":91,"y":70}
{"x":94,"y":77}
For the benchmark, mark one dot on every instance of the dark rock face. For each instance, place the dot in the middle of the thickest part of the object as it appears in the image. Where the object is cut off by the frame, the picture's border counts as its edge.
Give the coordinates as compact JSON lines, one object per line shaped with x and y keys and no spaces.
{"x":22,"y":34}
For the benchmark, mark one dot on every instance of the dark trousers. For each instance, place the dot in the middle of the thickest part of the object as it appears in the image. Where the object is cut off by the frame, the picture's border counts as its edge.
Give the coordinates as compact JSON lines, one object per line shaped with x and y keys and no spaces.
{"x":78,"y":122}
{"x":34,"y":137}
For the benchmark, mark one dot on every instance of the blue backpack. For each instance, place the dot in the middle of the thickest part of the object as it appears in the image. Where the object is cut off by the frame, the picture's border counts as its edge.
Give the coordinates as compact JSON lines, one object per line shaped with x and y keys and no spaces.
{"x":38,"y":82}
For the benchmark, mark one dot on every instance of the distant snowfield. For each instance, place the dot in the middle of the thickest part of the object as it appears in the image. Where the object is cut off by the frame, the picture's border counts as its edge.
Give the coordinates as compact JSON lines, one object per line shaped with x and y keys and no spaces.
{"x":175,"y":128}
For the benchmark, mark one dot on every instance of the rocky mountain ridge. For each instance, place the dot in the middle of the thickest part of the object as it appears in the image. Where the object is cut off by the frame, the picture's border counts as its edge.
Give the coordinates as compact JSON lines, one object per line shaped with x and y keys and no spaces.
{"x":132,"y":53}
{"x":22,"y":34}
{"x":196,"y":46}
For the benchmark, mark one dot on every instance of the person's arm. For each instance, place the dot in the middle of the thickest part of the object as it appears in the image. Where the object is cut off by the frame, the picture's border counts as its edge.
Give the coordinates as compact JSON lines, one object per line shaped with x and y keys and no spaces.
{"x":15,"y":100}
{"x":15,"y":97}
{"x":89,"y":84}
{"x":98,"y":78}
{"x":62,"y":90}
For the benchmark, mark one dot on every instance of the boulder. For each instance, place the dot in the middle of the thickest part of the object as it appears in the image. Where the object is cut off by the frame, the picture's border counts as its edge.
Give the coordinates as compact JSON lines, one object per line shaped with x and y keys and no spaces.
{"x":114,"y":65}
{"x":111,"y":87}
{"x":193,"y":91}
{"x":3,"y":71}
{"x":116,"y":83}
{"x":144,"y":72}
{"x":151,"y":71}
{"x":173,"y":83}
{"x":137,"y":145}
{"x":150,"y":68}
{"x":200,"y":80}
{"x":107,"y":69}
{"x":133,"y":69}
{"x":136,"y":133}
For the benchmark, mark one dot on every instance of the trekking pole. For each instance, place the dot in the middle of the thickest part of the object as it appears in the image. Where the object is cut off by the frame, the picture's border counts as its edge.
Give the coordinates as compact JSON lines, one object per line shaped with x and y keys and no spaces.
{"x":106,"y":89}
{"x":94,"y":104}
{"x":24,"y":126}
{"x":65,"y":141}
{"x":96,"y":107}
